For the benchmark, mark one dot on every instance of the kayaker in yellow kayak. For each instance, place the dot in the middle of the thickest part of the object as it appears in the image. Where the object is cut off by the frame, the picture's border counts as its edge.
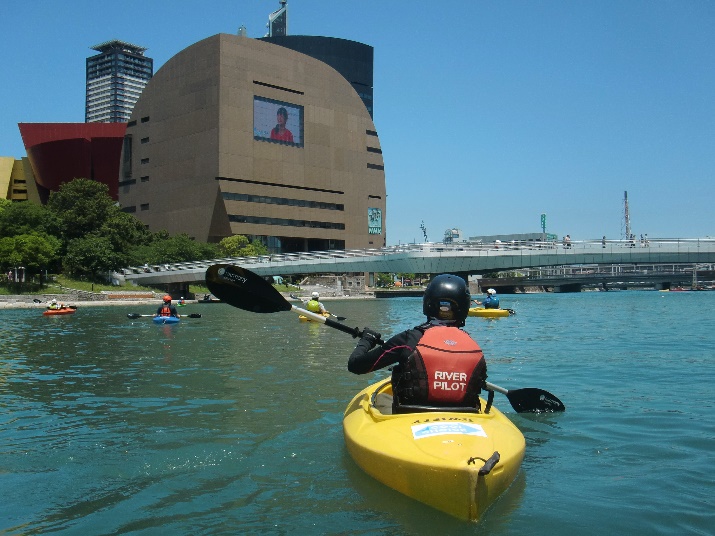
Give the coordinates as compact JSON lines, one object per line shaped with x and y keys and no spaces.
{"x":438,"y":364}
{"x":314,"y":305}
{"x":491,"y":301}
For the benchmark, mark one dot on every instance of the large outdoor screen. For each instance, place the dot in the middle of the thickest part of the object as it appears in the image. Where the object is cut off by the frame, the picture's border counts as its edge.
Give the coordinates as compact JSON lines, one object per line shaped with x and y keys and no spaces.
{"x":277,"y":122}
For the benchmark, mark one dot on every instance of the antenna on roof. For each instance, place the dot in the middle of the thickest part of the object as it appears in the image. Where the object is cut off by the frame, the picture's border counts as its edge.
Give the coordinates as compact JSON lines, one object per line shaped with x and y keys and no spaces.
{"x":278,"y":21}
{"x":626,"y":216}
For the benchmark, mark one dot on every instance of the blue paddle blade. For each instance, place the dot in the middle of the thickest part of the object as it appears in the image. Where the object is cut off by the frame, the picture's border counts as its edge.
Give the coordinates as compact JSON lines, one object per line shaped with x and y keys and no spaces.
{"x":243,"y":289}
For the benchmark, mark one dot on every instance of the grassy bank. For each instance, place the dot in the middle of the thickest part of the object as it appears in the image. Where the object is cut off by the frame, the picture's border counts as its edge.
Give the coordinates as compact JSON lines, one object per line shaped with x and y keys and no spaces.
{"x":60,"y":282}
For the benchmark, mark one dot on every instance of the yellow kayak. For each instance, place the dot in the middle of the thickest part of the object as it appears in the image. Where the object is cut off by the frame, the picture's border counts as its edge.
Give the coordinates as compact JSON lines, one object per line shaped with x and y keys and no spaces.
{"x":456,"y":462}
{"x":488,"y":313}
{"x":304,"y":318}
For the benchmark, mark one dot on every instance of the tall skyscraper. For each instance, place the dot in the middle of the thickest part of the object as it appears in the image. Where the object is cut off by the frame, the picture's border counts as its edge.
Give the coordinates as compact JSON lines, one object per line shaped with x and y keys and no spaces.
{"x":115,"y":79}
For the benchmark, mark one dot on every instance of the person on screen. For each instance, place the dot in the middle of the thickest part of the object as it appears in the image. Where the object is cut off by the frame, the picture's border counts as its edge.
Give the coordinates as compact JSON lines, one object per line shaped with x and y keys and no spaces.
{"x":280,"y":132}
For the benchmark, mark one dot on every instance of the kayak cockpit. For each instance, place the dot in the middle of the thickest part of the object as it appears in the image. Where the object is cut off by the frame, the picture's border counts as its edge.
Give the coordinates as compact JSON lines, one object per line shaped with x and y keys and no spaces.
{"x":382,"y":399}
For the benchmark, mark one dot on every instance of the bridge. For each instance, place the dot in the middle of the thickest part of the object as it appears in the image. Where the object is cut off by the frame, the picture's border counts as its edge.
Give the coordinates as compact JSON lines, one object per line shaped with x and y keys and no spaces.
{"x":432,"y":258}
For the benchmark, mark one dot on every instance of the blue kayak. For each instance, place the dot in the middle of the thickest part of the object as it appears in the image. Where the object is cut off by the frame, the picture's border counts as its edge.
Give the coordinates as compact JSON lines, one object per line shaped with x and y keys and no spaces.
{"x":166,"y":320}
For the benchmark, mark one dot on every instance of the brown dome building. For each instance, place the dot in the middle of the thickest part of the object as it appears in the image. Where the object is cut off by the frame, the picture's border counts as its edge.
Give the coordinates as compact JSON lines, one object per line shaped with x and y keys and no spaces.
{"x":242,"y":136}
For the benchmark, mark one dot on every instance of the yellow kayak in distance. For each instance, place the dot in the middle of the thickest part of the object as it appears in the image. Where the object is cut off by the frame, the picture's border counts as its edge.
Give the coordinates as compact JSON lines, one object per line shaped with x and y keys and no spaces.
{"x":304,"y":318}
{"x":488,"y":313}
{"x":456,"y":462}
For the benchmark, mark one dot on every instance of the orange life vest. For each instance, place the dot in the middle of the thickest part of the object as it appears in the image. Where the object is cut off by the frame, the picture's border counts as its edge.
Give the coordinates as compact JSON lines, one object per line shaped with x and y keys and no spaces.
{"x":446,"y":368}
{"x":165,"y":311}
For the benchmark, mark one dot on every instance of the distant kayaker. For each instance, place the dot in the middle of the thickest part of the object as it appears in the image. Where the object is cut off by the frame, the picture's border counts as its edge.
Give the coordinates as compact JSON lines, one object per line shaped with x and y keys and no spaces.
{"x":166,"y":309}
{"x":54,"y":304}
{"x":314,"y":305}
{"x":491,"y":301}
{"x":438,"y":364}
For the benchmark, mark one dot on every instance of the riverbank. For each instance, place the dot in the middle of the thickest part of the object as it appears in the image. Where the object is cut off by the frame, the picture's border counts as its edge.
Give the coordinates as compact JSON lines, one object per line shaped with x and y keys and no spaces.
{"x":27,"y":302}
{"x":22,"y":304}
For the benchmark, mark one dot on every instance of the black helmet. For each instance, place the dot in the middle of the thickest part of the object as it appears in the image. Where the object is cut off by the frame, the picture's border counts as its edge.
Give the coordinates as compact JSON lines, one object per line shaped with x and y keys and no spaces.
{"x":447,"y":298}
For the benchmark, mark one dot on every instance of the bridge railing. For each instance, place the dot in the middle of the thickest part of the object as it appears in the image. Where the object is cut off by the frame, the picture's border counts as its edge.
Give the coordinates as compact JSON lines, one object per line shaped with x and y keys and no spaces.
{"x":468,"y":249}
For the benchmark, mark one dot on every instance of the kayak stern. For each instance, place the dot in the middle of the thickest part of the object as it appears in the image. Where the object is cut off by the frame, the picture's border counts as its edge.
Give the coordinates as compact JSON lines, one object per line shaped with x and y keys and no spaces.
{"x":456,"y":462}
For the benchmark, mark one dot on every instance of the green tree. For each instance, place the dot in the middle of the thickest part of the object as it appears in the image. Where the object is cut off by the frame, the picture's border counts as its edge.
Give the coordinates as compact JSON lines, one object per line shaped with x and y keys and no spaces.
{"x":125,"y":232}
{"x":384,"y":280}
{"x":179,"y":248}
{"x":239,"y":246}
{"x":27,"y":218}
{"x":82,"y":207}
{"x":91,"y":256}
{"x":35,"y":252}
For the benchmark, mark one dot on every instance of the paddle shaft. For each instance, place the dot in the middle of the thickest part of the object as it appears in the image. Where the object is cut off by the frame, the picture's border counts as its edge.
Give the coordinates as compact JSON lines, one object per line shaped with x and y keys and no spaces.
{"x":355,"y":332}
{"x":137,"y":315}
{"x":496,"y":388}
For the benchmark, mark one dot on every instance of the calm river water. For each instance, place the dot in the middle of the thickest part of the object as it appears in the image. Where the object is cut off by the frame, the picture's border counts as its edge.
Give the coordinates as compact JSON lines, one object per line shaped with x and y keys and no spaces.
{"x":231,"y":424}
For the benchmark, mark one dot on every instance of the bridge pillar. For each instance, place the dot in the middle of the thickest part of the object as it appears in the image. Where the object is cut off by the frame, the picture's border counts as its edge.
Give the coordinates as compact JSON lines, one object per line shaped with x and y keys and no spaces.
{"x":177,"y":290}
{"x":463,"y":275}
{"x":569,"y":287}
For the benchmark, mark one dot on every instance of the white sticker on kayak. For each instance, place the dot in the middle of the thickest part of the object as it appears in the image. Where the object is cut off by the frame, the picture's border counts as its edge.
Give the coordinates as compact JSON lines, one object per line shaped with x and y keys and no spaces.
{"x":420,"y":431}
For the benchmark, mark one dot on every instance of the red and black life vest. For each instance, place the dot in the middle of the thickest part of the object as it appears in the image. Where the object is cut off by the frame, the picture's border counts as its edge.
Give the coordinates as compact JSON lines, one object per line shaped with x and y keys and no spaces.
{"x":446,"y":368}
{"x":165,"y":311}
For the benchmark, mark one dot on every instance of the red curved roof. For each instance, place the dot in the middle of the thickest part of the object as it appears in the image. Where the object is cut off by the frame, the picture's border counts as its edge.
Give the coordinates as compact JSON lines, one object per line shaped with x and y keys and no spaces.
{"x":60,"y":152}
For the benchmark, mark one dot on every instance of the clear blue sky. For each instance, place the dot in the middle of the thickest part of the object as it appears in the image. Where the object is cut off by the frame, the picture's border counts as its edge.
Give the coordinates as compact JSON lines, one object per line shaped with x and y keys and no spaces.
{"x":489,"y":113}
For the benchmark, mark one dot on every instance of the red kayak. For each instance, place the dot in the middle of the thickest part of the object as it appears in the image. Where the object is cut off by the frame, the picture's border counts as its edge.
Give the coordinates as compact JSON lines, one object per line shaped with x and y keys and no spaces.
{"x":63,"y":311}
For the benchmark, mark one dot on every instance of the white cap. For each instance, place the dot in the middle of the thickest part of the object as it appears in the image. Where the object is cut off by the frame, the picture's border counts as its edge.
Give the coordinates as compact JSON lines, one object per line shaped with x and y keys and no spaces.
{"x":315,"y":295}
{"x":491,"y":291}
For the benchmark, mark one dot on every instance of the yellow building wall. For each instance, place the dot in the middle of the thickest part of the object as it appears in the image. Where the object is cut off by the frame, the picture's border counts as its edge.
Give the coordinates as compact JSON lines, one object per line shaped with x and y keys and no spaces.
{"x":6,"y":165}
{"x":17,"y":181}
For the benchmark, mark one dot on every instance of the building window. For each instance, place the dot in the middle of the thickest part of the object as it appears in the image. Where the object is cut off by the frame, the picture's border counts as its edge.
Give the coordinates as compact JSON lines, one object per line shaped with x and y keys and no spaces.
{"x":145,"y":178}
{"x":144,"y":206}
{"x":145,"y":119}
{"x":130,"y":210}
{"x":375,"y":166}
{"x":237,"y":218}
{"x":280,"y":185}
{"x":369,"y":150}
{"x":127,"y":158}
{"x":371,"y":133}
{"x":144,"y":160}
{"x":132,"y":123}
{"x":146,"y":140}
{"x":282,"y":201}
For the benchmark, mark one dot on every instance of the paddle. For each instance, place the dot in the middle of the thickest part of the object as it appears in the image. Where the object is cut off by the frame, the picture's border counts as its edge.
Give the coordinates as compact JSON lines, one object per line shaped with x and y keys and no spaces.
{"x":137,"y":315}
{"x":304,"y":301}
{"x":246,"y":290}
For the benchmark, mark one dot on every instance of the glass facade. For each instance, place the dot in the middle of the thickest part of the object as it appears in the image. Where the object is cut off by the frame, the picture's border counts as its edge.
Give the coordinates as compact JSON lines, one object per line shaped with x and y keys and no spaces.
{"x":115,"y":80}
